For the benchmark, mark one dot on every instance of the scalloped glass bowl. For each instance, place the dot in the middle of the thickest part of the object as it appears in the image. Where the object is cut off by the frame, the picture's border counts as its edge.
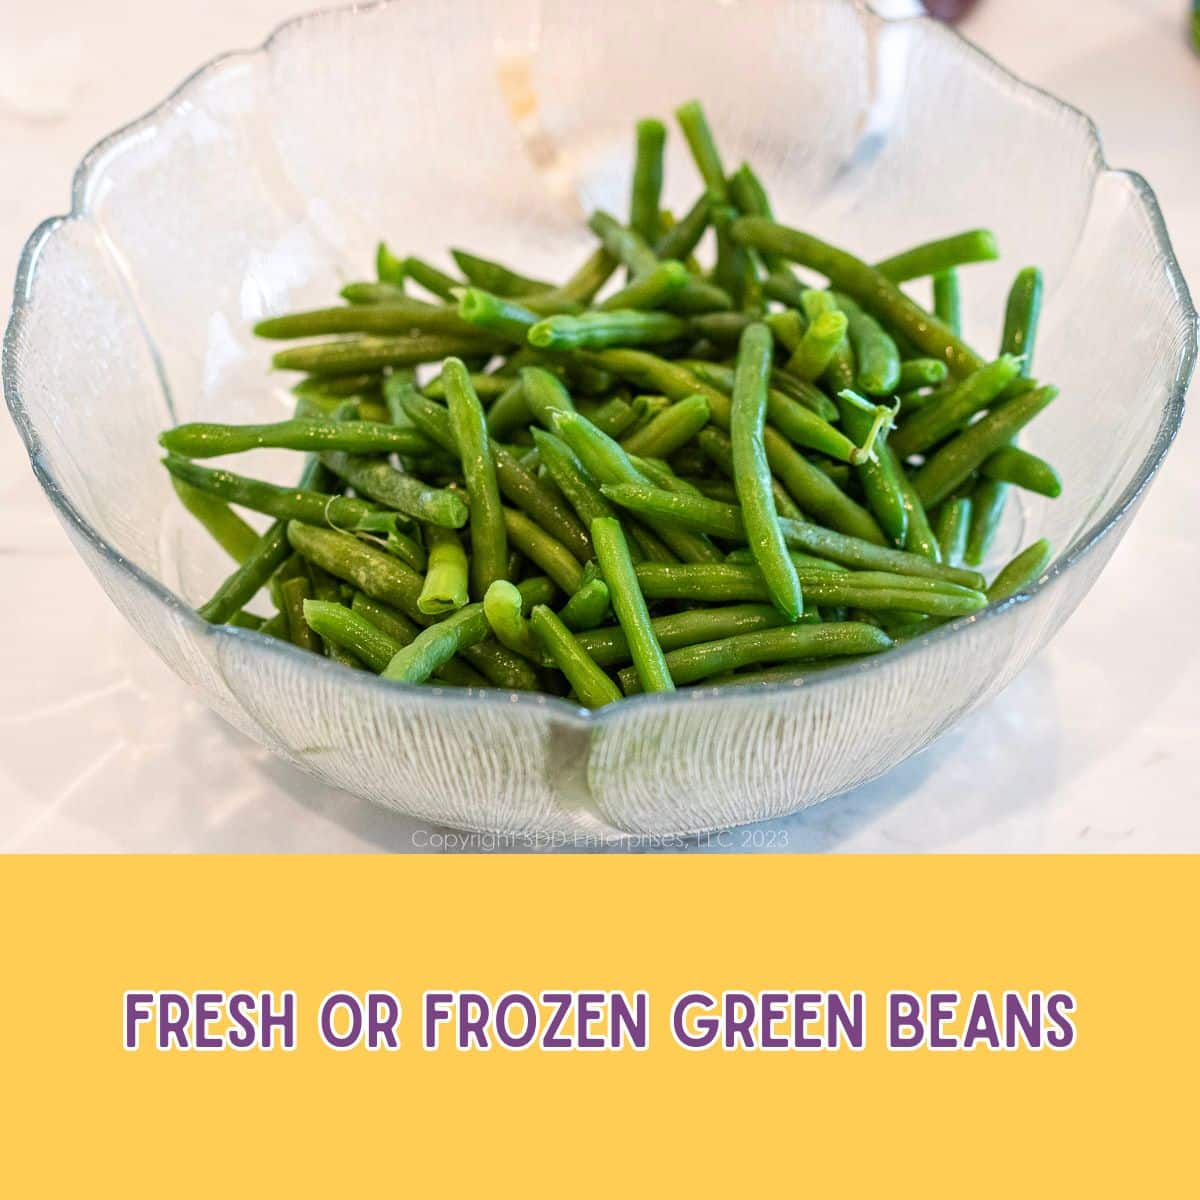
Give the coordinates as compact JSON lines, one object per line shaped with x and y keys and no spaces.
{"x":264,"y":182}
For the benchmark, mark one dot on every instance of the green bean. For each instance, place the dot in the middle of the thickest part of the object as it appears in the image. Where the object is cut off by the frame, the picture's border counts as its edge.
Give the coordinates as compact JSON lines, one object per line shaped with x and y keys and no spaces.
{"x":588,"y":607}
{"x":700,"y":141}
{"x":295,"y":592}
{"x":1021,"y":315}
{"x":629,"y":327}
{"x":719,"y":583}
{"x":987,"y":507}
{"x":489,"y":543}
{"x":796,"y":422}
{"x":920,"y":373}
{"x":873,"y":290}
{"x":593,"y":688}
{"x":947,"y":300}
{"x":919,"y":537}
{"x":931,"y":258}
{"x":496,"y":278}
{"x":378,"y":480}
{"x":615,"y":416}
{"x":750,"y":198}
{"x":247,"y":620}
{"x":734,"y":272}
{"x":651,"y":290}
{"x":355,"y":354}
{"x":744,"y":556}
{"x":315,"y":508}
{"x":1021,"y":571}
{"x":684,"y":235}
{"x":445,"y":586}
{"x":388,"y":267}
{"x":609,"y":647}
{"x":721,"y":328}
{"x":203,"y":440}
{"x":612,"y":553}
{"x":788,"y":327}
{"x":609,"y":463}
{"x":503,"y":608}
{"x":366,"y":292}
{"x":671,"y":429}
{"x":342,"y":627}
{"x":783,"y":286}
{"x":1025,"y":470}
{"x":510,"y":410}
{"x":569,"y":476}
{"x":545,"y":552}
{"x":693,"y":663}
{"x":952,"y":412}
{"x":400,"y":631}
{"x":517,"y":485}
{"x":812,"y":356}
{"x":804,"y":393}
{"x":386,"y":526}
{"x":752,"y":475}
{"x":487,"y":387}
{"x":725,"y":521}
{"x":495,"y":314}
{"x":591,"y":276}
{"x":953,"y":463}
{"x":226,"y":528}
{"x":875,"y":353}
{"x":460,"y":631}
{"x":436,"y":282}
{"x":646,"y":189}
{"x":380,"y":575}
{"x":544,"y":394}
{"x":367,"y":383}
{"x":953,"y":525}
{"x":394,"y":317}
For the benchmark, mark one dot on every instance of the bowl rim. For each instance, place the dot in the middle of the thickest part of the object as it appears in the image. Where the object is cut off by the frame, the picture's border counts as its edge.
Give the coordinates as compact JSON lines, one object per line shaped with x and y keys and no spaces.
{"x":1103,"y":526}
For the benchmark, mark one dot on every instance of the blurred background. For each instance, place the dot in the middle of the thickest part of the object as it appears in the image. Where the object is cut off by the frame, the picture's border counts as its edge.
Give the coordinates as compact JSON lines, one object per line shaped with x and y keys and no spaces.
{"x":1093,"y":748}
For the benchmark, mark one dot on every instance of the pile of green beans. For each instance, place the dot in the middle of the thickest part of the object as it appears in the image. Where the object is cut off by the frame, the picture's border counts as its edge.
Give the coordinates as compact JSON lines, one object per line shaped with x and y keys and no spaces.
{"x":647,"y":476}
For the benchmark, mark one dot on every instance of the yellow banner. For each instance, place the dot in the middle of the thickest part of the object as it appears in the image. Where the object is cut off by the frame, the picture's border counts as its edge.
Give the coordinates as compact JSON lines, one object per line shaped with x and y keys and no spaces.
{"x":559,"y":1026}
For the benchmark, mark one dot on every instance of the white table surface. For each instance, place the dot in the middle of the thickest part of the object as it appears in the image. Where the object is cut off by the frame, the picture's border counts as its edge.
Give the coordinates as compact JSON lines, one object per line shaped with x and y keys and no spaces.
{"x":1094,"y":747}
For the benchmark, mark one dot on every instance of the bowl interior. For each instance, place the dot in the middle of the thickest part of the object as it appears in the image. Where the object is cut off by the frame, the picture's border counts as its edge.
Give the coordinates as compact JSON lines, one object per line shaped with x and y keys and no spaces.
{"x":266,"y":181}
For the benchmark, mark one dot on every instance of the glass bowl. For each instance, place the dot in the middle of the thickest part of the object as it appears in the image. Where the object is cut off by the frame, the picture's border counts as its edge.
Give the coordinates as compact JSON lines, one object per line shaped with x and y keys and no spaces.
{"x":264,"y":182}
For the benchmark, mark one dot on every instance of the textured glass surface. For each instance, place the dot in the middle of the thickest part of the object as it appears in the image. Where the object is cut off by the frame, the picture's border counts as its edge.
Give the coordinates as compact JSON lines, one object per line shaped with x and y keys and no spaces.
{"x":266,"y":180}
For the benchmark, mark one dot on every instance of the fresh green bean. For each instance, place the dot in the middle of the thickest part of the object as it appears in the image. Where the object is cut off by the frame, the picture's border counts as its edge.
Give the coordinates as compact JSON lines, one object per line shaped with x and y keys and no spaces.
{"x":496,"y":315}
{"x":616,"y":416}
{"x":366,"y":292}
{"x":445,"y":586}
{"x":646,"y":189}
{"x":724,"y":520}
{"x":489,"y":543}
{"x":789,"y":327}
{"x":628,"y":327}
{"x":752,"y":475}
{"x":588,"y":607}
{"x":591,"y":276}
{"x":875,"y":352}
{"x":694,"y":663}
{"x":570,"y":477}
{"x":388,"y":267}
{"x":1021,"y":315}
{"x":804,"y":393}
{"x":461,"y":630}
{"x":367,"y":383}
{"x":247,"y":620}
{"x":393,"y":317}
{"x":503,"y":607}
{"x":952,"y":412}
{"x":649,"y":291}
{"x":226,"y":528}
{"x":700,"y":141}
{"x":919,"y":537}
{"x":517,"y":485}
{"x":544,"y":395}
{"x":920,"y":373}
{"x":400,"y":631}
{"x":355,"y":354}
{"x":873,"y":290}
{"x":295,"y":592}
{"x":1012,"y":465}
{"x":823,"y":336}
{"x":436,"y":282}
{"x":286,"y":504}
{"x":612,"y":553}
{"x":202,"y":440}
{"x":496,"y":278}
{"x":953,"y":526}
{"x":376,"y":479}
{"x":546,"y":553}
{"x":670,"y":429}
{"x":953,"y":463}
{"x":750,"y":198}
{"x":987,"y":507}
{"x":931,"y":258}
{"x":339,"y":625}
{"x":684,"y":236}
{"x":593,"y":688}
{"x":947,"y":300}
{"x":734,"y":272}
{"x":487,"y":387}
{"x":1021,"y":571}
{"x":722,"y":583}
{"x":395,"y":540}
